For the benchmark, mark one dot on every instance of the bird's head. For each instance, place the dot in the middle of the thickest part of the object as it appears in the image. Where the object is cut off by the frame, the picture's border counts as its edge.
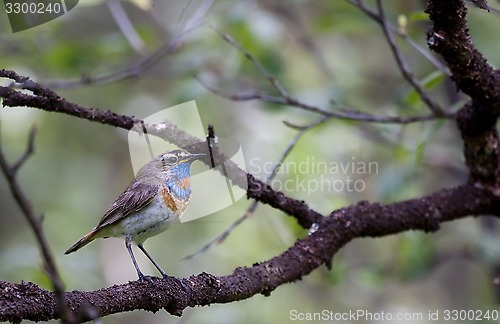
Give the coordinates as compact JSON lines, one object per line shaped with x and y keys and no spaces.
{"x":176,"y":158}
{"x":177,"y":162}
{"x":172,"y":164}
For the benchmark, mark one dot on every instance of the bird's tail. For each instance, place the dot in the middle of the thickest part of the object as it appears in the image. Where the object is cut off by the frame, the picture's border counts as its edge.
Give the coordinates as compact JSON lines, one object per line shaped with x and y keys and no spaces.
{"x":82,"y":242}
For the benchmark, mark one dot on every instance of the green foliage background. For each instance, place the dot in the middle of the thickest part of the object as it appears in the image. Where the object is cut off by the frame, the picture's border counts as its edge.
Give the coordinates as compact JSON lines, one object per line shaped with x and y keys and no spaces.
{"x":80,"y":167}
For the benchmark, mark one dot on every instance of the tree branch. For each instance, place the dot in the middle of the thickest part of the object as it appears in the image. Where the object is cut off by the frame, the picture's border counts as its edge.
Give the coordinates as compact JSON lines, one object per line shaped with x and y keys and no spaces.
{"x":172,"y":46}
{"x":449,"y":36}
{"x":35,"y":222}
{"x":348,"y":114}
{"x":27,"y":301}
{"x":253,"y":206}
{"x":345,"y":114}
{"x":329,"y":234}
{"x":481,"y":144}
{"x":403,"y":66}
{"x":372,"y":14}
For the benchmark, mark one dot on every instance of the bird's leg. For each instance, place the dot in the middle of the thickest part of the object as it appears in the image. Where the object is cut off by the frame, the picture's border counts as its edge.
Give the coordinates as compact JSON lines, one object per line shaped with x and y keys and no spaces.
{"x":163,"y":273}
{"x":128,"y":241}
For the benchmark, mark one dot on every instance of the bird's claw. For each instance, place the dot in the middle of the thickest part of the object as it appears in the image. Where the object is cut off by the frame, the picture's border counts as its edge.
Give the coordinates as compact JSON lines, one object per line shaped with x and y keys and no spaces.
{"x":143,"y":278}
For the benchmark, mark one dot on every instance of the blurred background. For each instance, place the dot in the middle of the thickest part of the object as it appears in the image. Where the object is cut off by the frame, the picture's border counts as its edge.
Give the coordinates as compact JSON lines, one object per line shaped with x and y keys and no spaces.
{"x":325,"y":53}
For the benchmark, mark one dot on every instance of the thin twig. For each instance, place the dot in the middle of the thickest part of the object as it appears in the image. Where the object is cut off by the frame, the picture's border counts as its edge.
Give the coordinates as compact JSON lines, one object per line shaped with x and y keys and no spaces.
{"x":346,"y":114}
{"x":403,"y":66}
{"x":251,"y":209}
{"x":35,"y":222}
{"x":197,"y":18}
{"x":129,"y":71}
{"x":170,"y":47}
{"x":145,"y":133}
{"x":285,"y":99}
{"x":271,"y":79}
{"x":211,"y":140}
{"x":371,"y":13}
{"x":126,"y":27}
{"x":221,"y":237}
{"x":306,"y":127}
{"x":30,"y":149}
{"x":181,"y":22}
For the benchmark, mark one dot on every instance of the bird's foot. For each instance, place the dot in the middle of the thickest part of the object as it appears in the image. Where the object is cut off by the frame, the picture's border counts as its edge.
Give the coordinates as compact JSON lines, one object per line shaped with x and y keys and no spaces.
{"x":143,"y":278}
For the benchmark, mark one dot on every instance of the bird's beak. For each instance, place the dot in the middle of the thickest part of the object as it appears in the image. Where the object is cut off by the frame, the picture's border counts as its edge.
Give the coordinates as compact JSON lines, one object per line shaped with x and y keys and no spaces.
{"x":194,"y":157}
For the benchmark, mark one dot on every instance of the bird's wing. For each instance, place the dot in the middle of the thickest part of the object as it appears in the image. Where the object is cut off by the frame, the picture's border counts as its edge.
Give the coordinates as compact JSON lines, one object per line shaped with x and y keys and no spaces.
{"x":135,"y":197}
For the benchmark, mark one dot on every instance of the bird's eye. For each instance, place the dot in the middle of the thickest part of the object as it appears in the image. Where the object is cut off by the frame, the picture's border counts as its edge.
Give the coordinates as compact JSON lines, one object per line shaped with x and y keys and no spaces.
{"x":171,"y":159}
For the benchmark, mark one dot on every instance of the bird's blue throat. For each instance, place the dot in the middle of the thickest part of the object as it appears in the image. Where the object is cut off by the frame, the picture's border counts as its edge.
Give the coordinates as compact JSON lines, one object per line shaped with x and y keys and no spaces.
{"x":179,"y":182}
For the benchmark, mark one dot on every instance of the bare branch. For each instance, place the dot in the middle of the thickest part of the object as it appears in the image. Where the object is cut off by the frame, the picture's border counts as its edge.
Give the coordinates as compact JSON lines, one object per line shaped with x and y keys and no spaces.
{"x":171,"y":47}
{"x":35,"y":223}
{"x":222,"y":237}
{"x":130,"y":71}
{"x":305,"y":127}
{"x":30,"y":149}
{"x":450,"y":37}
{"x":476,"y":120}
{"x":253,"y":206}
{"x":403,"y":66}
{"x":345,"y":114}
{"x":285,"y":99}
{"x":271,"y":79}
{"x":211,"y":141}
{"x":333,"y":232}
{"x":372,"y":13}
{"x":126,"y":27}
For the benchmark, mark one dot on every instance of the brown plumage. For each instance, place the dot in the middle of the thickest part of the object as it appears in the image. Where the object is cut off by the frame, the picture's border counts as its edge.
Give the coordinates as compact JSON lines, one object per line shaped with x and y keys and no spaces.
{"x":150,"y":205}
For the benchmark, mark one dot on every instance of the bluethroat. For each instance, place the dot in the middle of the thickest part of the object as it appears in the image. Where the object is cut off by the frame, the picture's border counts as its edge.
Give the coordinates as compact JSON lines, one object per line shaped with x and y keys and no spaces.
{"x":153,"y":202}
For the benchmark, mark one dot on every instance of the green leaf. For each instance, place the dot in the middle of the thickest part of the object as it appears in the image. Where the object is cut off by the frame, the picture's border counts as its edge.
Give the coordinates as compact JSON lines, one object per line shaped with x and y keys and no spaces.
{"x":418,"y":16}
{"x":429,"y":82}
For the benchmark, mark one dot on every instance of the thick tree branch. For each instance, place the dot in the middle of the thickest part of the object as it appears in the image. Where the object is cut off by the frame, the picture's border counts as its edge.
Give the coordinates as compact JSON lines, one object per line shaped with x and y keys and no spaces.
{"x":27,"y":301}
{"x":449,"y":36}
{"x":253,"y":207}
{"x":481,"y":143}
{"x":473,"y":75}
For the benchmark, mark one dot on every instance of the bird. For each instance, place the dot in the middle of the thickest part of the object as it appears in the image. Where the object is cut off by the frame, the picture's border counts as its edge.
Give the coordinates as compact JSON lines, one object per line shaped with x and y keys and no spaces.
{"x":154,"y":201}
